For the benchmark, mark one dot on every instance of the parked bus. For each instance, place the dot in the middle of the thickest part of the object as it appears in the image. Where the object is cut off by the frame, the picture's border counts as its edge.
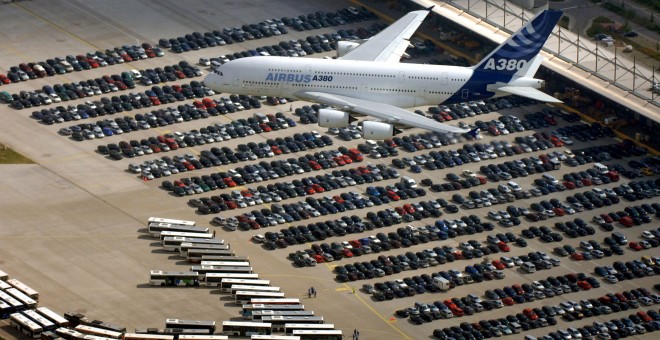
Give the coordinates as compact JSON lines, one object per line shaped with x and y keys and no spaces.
{"x":317,"y":334}
{"x":208,"y":326}
{"x":26,"y":326}
{"x":5,"y":310}
{"x":290,"y":327}
{"x":155,"y":229}
{"x":202,"y":337}
{"x":235,"y":328}
{"x":223,"y":263}
{"x":275,"y":302}
{"x":53,"y":317}
{"x":258,"y":315}
{"x":196,"y":255}
{"x":4,"y":285}
{"x":16,"y":306}
{"x":45,"y":324}
{"x":249,"y":288}
{"x":278,"y":321}
{"x":106,"y":333}
{"x":164,"y":234}
{"x":136,"y":336}
{"x":3,"y":276}
{"x":69,"y":334}
{"x":226,"y":283}
{"x":24,"y":288}
{"x":230,"y":258}
{"x":26,"y":300}
{"x":174,"y":243}
{"x":170,"y":279}
{"x":186,"y":246}
{"x":203,"y":270}
{"x":249,"y":309}
{"x":169,"y":220}
{"x":274,"y":337}
{"x":213,"y":279}
{"x":242,"y":297}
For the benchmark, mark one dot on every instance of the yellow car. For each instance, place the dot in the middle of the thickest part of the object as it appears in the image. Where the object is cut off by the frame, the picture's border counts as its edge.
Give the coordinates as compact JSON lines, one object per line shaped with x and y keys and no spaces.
{"x":647,"y":260}
{"x":647,"y":171}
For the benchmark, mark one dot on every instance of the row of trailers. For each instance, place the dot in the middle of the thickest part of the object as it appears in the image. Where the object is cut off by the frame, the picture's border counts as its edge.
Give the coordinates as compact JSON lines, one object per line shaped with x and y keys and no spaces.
{"x":15,"y":296}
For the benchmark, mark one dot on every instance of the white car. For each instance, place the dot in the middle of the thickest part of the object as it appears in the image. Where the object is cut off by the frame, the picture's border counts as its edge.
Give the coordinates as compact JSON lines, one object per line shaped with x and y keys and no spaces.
{"x":647,"y":235}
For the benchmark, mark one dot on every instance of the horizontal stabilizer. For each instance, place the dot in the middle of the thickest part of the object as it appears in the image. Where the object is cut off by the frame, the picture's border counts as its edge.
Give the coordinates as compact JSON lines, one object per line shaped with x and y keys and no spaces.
{"x":529,"y":92}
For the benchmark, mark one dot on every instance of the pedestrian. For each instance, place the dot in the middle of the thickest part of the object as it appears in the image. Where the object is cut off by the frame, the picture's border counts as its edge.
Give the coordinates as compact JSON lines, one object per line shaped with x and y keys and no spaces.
{"x":309,"y":293}
{"x":357,"y":334}
{"x":353,"y":289}
{"x":354,"y":334}
{"x":214,"y":234}
{"x":290,"y":108}
{"x":315,"y":294}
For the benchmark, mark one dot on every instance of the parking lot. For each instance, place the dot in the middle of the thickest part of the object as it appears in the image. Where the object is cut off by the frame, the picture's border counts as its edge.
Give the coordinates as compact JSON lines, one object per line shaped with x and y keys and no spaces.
{"x":71,"y":224}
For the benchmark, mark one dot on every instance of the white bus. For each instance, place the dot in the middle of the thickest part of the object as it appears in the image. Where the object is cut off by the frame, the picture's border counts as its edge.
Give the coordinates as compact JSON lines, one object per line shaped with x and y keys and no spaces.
{"x":223,"y":263}
{"x":169,"y":220}
{"x":106,"y":333}
{"x":202,"y":337}
{"x":4,"y":285}
{"x":171,"y":279}
{"x":258,"y":315}
{"x":155,"y":229}
{"x":215,"y":279}
{"x":208,"y":326}
{"x":174,"y":243}
{"x":235,"y":328}
{"x":290,"y":301}
{"x":5,"y":310}
{"x":165,"y":234}
{"x":227,"y":283}
{"x":317,"y":334}
{"x":3,"y":276}
{"x":290,"y":327}
{"x":187,"y":246}
{"x":15,"y":305}
{"x":249,"y":288}
{"x":274,"y":337}
{"x":242,"y":297}
{"x":45,"y":324}
{"x":26,"y":326}
{"x":203,"y":270}
{"x":69,"y":334}
{"x":136,"y":336}
{"x":53,"y":317}
{"x":248,"y":310}
{"x":230,"y":258}
{"x":197,"y":255}
{"x":278,"y":321}
{"x":26,"y":300}
{"x":24,"y":288}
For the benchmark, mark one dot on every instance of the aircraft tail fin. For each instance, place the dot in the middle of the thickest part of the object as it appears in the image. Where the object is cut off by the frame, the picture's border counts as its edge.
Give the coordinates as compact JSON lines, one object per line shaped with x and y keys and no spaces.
{"x":517,"y":55}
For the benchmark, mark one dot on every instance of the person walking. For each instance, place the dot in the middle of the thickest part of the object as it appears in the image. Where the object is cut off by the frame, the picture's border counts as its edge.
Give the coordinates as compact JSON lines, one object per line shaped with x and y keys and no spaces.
{"x":309,"y":293}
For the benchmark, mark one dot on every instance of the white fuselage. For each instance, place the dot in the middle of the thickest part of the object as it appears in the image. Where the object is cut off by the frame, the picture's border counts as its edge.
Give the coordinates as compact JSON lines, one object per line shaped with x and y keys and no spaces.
{"x":397,"y":84}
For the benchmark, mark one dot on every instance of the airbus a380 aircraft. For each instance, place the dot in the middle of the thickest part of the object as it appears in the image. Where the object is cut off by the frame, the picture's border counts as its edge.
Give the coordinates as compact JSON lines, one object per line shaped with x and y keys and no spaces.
{"x":368,"y":79}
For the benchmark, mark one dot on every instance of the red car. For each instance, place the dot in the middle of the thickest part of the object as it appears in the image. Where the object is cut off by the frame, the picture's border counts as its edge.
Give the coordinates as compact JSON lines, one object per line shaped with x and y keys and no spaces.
{"x":318,"y":188}
{"x":409,"y":208}
{"x":498,"y":264}
{"x":314,"y":165}
{"x":347,"y":159}
{"x":393,"y":196}
{"x":635,"y":246}
{"x":450,"y":304}
{"x":503,"y":247}
{"x":508,"y":301}
{"x":607,"y":218}
{"x":642,"y":315}
{"x":584,"y":285}
{"x":586,"y":181}
{"x":276,"y":150}
{"x":457,"y":311}
{"x":198,"y":104}
{"x":627,"y":221}
{"x":4,"y":79}
{"x":577,"y":256}
{"x":530,"y":313}
{"x":338,"y":199}
{"x":569,"y":185}
{"x":559,"y":211}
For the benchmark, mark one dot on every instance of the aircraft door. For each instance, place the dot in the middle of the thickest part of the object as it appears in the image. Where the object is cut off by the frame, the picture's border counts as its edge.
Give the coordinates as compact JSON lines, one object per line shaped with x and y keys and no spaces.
{"x":402,"y":77}
{"x":465,"y":93}
{"x":444,"y":79}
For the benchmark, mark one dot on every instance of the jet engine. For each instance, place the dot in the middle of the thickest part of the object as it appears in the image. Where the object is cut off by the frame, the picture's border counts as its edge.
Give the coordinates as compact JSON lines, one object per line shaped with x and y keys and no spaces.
{"x":344,"y":47}
{"x":332,"y":118}
{"x":378,"y":130}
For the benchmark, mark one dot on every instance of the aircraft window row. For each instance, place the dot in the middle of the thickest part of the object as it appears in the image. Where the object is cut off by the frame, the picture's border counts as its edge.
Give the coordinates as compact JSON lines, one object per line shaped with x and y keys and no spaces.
{"x":282,"y":70}
{"x":259,"y":83}
{"x":327,"y":86}
{"x":439,"y":92}
{"x":355,"y":74}
{"x":425,"y":78}
{"x":393,"y":90}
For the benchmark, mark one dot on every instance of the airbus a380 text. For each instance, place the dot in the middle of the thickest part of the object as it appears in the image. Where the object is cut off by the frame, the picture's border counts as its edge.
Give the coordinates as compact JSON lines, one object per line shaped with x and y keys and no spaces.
{"x":368,"y":79}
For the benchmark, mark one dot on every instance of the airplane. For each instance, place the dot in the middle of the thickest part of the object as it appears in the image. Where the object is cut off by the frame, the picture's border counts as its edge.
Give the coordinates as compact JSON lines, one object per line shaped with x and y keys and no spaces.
{"x":368,"y":79}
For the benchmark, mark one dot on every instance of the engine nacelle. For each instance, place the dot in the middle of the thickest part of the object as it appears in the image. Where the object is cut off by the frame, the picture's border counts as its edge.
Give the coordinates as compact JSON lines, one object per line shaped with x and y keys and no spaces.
{"x":344,"y":47}
{"x":334,"y":119}
{"x":378,"y":130}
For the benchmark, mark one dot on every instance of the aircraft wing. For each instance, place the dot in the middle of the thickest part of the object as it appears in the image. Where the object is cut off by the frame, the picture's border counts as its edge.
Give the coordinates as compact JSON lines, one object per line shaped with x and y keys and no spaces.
{"x":529,"y":92}
{"x":391,"y":43}
{"x":383,"y":112}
